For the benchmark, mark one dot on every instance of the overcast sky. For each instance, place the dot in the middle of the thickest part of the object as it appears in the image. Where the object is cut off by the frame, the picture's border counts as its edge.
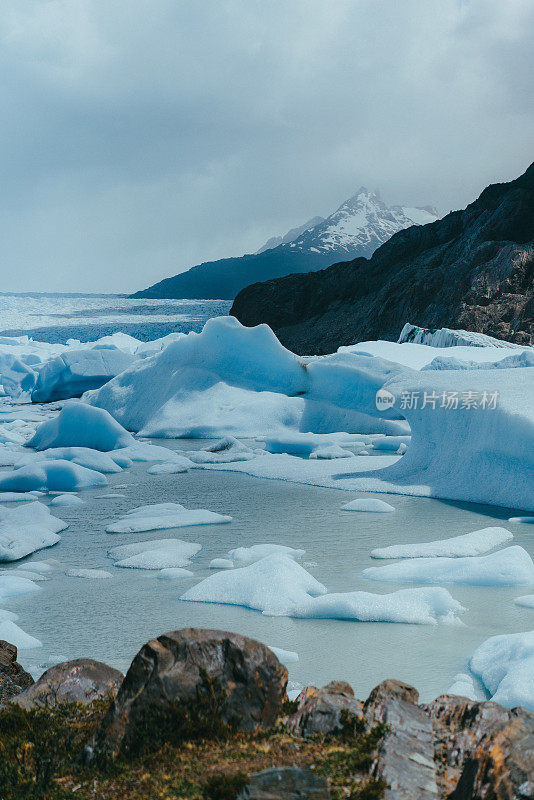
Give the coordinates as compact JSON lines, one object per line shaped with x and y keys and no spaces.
{"x":140,"y":138}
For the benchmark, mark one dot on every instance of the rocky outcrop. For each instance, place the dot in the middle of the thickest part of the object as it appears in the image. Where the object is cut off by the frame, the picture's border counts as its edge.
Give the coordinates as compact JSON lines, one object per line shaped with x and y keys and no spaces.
{"x":80,"y":681}
{"x":13,"y":678}
{"x":320,"y":710}
{"x":224,"y":674}
{"x":473,"y":270}
{"x":286,"y":783}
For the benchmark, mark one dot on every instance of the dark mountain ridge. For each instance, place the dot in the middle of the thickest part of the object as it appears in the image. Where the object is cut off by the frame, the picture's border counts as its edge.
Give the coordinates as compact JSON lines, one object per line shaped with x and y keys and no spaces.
{"x":473,"y":269}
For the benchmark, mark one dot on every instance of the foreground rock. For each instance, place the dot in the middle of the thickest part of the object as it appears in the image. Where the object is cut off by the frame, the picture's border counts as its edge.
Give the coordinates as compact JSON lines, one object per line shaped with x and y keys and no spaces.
{"x":321,"y":710}
{"x":405,"y":757}
{"x":286,"y":783}
{"x":235,"y":680}
{"x":13,"y":678}
{"x":80,"y":681}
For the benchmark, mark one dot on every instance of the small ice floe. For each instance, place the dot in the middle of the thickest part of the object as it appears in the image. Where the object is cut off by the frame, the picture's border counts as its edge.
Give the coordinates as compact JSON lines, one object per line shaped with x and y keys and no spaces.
{"x":221,"y":563}
{"x":509,"y":567}
{"x":27,"y":573}
{"x":11,"y":632}
{"x":372,"y":504}
{"x":14,"y":585}
{"x":525,"y":601}
{"x":111,"y":496}
{"x":476,"y":543}
{"x":393,"y":443}
{"x":91,"y":574}
{"x":284,"y":656}
{"x":17,"y":497}
{"x":528,"y":520}
{"x":247,"y":555}
{"x":36,"y":566}
{"x":67,"y":500}
{"x":25,"y":529}
{"x":158,"y":554}
{"x":63,"y":476}
{"x":174,"y":573}
{"x":331,"y":451}
{"x":278,"y":586}
{"x":170,"y":467}
{"x":164,"y":515}
{"x":225,"y":451}
{"x":81,"y":425}
{"x":505,"y":665}
{"x":84,"y":456}
{"x":464,"y":686}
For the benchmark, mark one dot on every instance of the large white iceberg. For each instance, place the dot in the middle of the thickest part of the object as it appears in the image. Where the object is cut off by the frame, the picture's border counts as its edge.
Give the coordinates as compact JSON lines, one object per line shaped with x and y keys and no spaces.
{"x":475,"y":543}
{"x":277,"y":585}
{"x":509,"y":567}
{"x":237,"y":381}
{"x":164,"y":515}
{"x":81,"y":425}
{"x":27,"y":528}
{"x":505,"y":664}
{"x":472,"y":437}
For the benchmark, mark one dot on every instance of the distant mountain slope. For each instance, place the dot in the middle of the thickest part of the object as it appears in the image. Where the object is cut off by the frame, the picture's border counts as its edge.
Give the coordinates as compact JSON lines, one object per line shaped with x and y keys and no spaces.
{"x":473,"y":269}
{"x":357,"y":228}
{"x":291,"y":235}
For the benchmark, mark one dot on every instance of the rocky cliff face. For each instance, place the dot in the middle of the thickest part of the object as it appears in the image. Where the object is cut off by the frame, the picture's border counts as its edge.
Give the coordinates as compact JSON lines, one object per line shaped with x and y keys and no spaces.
{"x":473,"y":269}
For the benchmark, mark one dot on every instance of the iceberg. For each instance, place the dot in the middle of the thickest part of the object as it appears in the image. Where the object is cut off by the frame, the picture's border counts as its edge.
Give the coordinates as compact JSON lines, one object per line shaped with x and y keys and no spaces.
{"x":331,"y":451}
{"x":505,"y":665}
{"x":84,"y":456}
{"x":174,"y":573}
{"x":63,"y":476}
{"x":284,"y":656}
{"x":278,"y":586}
{"x":173,"y":554}
{"x":248,"y":555}
{"x":81,"y":425}
{"x":368,"y":504}
{"x":170,"y":467}
{"x":27,"y":528}
{"x":526,"y":601}
{"x":91,"y":574}
{"x":11,"y":632}
{"x":15,"y":585}
{"x":76,"y":371}
{"x":463,"y":685}
{"x":476,"y":543}
{"x":225,"y":451}
{"x":509,"y":567}
{"x":472,"y":437}
{"x":164,"y":515}
{"x":67,"y":500}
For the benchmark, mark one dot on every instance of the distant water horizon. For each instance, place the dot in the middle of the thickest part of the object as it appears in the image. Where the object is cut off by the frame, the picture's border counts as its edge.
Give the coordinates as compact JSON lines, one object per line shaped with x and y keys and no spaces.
{"x":56,"y":317}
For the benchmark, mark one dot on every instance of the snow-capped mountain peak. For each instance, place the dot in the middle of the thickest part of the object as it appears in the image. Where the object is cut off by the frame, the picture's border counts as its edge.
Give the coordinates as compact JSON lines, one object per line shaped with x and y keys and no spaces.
{"x":362,"y":223}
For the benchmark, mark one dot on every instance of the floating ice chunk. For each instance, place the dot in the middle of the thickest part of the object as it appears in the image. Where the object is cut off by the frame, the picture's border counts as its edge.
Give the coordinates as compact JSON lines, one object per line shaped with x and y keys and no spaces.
{"x":25,"y":529}
{"x":27,"y":573}
{"x":84,"y":456}
{"x":16,"y":497}
{"x":111,"y":496}
{"x":526,"y":601}
{"x":368,"y":504}
{"x":76,"y":371}
{"x":170,"y":467}
{"x":133,"y":549}
{"x":224,"y":451}
{"x":275,"y":585}
{"x":509,"y":567}
{"x":422,"y":606}
{"x":36,"y":566}
{"x":7,"y":615}
{"x":174,"y":554}
{"x":505,"y":665}
{"x":284,"y":656}
{"x":475,"y":543}
{"x":248,"y":555}
{"x":332,"y":451}
{"x":173,"y":573}
{"x":529,"y":520}
{"x":67,"y":500}
{"x":390,"y":442}
{"x":164,"y":515}
{"x":63,"y":476}
{"x":92,"y":574}
{"x":15,"y":635}
{"x":81,"y":425}
{"x":14,"y":585}
{"x":463,"y":685}
{"x":221,"y":563}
